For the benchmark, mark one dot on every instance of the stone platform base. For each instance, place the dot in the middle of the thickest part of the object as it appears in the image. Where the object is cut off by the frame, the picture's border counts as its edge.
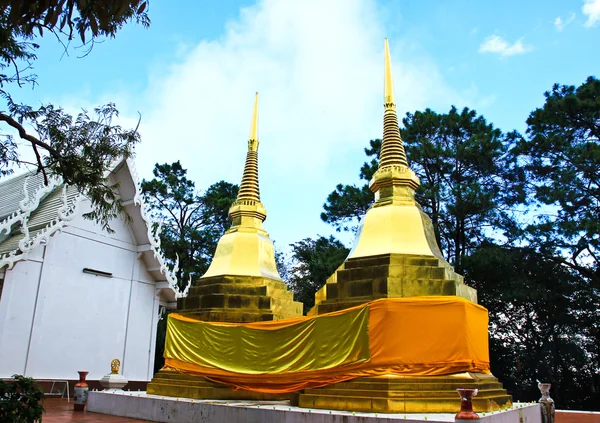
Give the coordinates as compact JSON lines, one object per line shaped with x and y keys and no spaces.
{"x":408,"y":394}
{"x":140,"y":405}
{"x":169,"y":383}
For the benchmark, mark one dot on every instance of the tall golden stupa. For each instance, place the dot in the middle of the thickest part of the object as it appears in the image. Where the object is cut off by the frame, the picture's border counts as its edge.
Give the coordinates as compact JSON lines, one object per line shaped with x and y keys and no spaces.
{"x":241,"y":285}
{"x":396,"y":255}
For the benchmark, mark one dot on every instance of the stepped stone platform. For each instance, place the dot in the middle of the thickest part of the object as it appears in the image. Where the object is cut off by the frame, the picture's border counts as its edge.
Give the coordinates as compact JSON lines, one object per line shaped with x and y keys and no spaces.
{"x":404,"y":394}
{"x":174,"y":384}
{"x":364,"y":279}
{"x":239,"y":299}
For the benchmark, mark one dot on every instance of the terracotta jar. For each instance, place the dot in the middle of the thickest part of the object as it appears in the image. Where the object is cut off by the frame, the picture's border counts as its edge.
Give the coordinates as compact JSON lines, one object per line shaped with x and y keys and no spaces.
{"x":466,"y":413}
{"x":81,"y":392}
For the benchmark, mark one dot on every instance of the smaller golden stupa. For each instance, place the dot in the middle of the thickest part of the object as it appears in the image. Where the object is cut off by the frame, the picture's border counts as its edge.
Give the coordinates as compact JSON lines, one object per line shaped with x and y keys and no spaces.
{"x":242,"y":283}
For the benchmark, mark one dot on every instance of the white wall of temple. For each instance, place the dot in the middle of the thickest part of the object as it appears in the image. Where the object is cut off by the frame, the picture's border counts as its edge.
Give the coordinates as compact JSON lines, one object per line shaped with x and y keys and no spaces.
{"x":17,"y":305}
{"x":55,"y":319}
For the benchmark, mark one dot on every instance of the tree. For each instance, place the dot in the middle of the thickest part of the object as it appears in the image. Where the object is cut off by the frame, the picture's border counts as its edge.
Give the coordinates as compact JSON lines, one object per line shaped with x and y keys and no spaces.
{"x":192,"y":223}
{"x":544,"y":324}
{"x":469,"y":181}
{"x":312,"y":262}
{"x":80,"y":149}
{"x":561,"y":156}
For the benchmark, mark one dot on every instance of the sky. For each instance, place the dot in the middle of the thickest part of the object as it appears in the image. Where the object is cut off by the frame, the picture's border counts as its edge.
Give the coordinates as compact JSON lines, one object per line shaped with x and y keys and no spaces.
{"x":318,"y":68}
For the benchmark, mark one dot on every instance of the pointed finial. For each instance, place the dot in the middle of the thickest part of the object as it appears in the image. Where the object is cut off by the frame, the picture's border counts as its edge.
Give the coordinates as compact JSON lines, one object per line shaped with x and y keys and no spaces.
{"x":392,"y":150}
{"x":249,"y":187}
{"x":254,"y":126}
{"x":388,"y":98}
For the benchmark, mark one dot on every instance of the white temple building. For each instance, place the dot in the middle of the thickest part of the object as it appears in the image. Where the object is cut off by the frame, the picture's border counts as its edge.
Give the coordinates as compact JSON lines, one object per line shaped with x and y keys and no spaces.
{"x":73,"y":296}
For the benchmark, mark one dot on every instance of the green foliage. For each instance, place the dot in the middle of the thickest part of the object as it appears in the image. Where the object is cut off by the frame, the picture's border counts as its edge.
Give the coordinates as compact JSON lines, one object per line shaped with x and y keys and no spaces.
{"x":544,"y":324}
{"x":346,"y":206}
{"x":467,"y":177}
{"x":79,"y":148}
{"x":20,"y":400}
{"x":192,"y":223}
{"x":67,"y":18}
{"x":561,"y":156}
{"x":312,"y":262}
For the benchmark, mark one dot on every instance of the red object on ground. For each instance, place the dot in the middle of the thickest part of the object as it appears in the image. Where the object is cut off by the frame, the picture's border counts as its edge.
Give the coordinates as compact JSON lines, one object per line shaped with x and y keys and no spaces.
{"x":60,"y":411}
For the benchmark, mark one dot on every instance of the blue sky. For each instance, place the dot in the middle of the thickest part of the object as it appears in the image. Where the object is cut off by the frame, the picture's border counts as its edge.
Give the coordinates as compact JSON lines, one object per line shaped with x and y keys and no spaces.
{"x":318,"y":66}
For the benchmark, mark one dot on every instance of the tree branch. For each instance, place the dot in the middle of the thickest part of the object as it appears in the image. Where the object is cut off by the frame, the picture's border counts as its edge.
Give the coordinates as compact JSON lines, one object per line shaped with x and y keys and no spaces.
{"x":23,"y":134}
{"x":40,"y":165}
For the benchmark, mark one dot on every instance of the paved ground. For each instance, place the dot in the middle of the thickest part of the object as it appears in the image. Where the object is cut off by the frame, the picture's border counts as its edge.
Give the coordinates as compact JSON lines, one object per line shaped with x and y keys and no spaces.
{"x":59,"y":411}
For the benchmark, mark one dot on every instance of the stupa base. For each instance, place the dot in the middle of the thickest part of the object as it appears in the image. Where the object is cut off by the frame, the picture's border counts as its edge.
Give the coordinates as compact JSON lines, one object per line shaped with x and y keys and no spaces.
{"x":239,"y":299}
{"x":408,"y":394}
{"x":170,"y":383}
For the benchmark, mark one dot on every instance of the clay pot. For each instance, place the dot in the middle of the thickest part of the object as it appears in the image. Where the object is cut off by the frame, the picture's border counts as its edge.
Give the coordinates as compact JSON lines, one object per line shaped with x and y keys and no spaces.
{"x":466,"y":413}
{"x":81,"y":392}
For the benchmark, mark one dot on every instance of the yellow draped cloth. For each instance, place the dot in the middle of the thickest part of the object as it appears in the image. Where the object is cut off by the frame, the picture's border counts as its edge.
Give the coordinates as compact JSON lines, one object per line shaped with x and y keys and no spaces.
{"x":396,"y":336}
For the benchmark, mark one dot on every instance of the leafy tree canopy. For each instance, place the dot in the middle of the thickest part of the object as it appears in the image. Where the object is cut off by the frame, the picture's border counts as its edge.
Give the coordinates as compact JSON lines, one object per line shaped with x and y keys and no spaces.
{"x":561,"y":156}
{"x":312,"y":262}
{"x":192,"y":222}
{"x":79,"y":148}
{"x":544,"y":324}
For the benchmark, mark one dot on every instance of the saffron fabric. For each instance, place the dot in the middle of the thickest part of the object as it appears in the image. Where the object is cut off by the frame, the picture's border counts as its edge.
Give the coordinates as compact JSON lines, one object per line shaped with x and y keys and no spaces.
{"x":395,"y":336}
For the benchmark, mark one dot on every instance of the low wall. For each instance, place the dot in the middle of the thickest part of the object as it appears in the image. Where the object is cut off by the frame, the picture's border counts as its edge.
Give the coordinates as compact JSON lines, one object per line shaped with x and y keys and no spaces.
{"x":139,"y":405}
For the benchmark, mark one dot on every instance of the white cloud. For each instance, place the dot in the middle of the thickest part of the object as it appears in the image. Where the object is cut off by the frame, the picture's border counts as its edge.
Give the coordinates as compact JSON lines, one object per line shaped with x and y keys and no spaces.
{"x":560,"y":24}
{"x":497,"y":44}
{"x":318,"y":68}
{"x":591,"y":8}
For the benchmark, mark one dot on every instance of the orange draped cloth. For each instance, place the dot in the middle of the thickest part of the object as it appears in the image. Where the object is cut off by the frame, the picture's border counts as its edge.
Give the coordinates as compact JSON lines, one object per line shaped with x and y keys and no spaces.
{"x":397,"y":336}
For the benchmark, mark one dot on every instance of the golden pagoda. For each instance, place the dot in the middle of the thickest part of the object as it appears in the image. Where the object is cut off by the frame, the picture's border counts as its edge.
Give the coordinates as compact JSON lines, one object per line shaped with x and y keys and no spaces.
{"x":395,"y":254}
{"x":241,"y":285}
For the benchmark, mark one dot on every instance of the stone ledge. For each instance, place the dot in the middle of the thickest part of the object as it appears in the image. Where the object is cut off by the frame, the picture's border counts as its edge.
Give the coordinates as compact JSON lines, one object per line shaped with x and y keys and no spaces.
{"x":139,"y":405}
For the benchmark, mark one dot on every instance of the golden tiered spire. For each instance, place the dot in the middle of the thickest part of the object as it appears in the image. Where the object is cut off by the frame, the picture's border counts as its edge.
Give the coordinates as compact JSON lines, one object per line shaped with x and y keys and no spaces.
{"x":393,"y":175}
{"x":249,"y":189}
{"x":246,"y":249}
{"x":392,"y":149}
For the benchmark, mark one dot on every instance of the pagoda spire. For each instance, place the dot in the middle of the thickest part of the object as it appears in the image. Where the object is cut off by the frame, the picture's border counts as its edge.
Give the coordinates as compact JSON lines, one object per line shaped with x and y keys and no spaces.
{"x":393,"y":173}
{"x":392,"y":150}
{"x":249,"y":189}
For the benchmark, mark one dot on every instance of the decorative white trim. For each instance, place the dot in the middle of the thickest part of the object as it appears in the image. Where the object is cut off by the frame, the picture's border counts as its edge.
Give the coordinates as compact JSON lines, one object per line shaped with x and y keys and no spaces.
{"x":28,"y":205}
{"x":65,"y":213}
{"x":154,"y":238}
